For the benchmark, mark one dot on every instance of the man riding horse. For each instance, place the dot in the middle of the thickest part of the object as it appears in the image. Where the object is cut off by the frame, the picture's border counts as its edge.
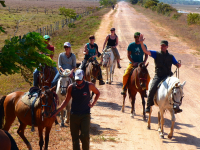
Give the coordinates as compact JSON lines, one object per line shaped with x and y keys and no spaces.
{"x":135,"y":55}
{"x":163,"y":62}
{"x":90,"y":52}
{"x":66,"y":60}
{"x":36,"y":72}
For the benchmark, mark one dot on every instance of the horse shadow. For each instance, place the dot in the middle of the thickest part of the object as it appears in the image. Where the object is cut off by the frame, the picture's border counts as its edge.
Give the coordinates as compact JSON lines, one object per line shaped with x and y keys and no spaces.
{"x":185,"y":139}
{"x":110,"y":105}
{"x":96,"y":129}
{"x":118,"y":84}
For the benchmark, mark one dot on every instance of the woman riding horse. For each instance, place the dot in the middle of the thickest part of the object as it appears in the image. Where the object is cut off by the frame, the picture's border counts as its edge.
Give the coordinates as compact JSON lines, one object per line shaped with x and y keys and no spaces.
{"x":36,"y":72}
{"x":91,"y":51}
{"x":112,"y":42}
{"x":66,"y":60}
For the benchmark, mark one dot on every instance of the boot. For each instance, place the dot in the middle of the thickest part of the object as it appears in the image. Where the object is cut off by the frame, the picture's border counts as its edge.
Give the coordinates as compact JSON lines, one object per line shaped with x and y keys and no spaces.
{"x":118,"y":65}
{"x":101,"y":82}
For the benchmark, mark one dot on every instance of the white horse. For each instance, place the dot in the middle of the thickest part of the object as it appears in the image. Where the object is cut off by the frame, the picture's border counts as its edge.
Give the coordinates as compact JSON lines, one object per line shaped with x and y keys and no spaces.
{"x":61,"y":91}
{"x":109,"y":61}
{"x":169,"y":93}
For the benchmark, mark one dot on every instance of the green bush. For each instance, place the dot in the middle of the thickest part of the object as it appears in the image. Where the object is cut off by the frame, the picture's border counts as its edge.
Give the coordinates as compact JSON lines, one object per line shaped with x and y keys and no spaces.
{"x":68,"y":13}
{"x":71,"y":25}
{"x":150,"y":3}
{"x":107,"y":2}
{"x":176,"y":16}
{"x":193,"y":18}
{"x":164,"y":9}
{"x":154,"y":8}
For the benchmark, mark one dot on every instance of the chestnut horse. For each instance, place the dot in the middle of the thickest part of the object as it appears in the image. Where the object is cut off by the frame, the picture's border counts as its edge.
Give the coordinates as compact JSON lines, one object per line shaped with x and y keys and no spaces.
{"x":13,"y":107}
{"x":137,"y":83}
{"x":46,"y":76}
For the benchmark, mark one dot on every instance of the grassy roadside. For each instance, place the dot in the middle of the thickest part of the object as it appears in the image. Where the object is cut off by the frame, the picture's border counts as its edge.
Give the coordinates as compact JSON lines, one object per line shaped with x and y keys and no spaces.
{"x":178,"y":28}
{"x":77,"y":36}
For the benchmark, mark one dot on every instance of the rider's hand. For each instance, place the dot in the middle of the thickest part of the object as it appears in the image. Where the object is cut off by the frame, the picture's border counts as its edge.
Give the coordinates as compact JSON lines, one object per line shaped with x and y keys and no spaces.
{"x":141,"y":38}
{"x":90,"y":105}
{"x":113,"y":46}
{"x":178,"y":65}
{"x":71,"y":74}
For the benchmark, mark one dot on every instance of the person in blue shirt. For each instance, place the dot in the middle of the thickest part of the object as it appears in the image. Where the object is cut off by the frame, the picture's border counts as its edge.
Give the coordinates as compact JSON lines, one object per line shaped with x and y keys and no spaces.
{"x":163,"y":63}
{"x":91,"y":51}
{"x":135,"y":55}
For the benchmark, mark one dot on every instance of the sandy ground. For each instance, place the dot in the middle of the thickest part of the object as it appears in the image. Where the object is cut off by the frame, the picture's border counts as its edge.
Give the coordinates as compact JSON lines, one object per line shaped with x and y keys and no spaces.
{"x":131,"y":133}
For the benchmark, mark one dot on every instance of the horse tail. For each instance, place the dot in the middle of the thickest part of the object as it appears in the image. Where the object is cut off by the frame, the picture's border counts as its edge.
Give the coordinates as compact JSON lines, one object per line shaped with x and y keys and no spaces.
{"x":2,"y":111}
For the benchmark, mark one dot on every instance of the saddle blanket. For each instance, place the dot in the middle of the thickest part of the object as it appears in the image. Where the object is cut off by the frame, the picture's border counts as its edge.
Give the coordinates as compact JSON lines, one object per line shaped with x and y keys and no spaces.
{"x":28,"y":101}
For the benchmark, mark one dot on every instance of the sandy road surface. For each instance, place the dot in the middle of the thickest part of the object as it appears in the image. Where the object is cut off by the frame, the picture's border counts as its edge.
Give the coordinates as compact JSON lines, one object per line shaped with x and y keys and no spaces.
{"x":131,"y":133}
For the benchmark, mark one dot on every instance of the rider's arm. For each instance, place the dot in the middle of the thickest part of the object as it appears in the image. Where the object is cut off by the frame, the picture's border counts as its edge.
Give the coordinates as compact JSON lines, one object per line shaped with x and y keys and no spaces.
{"x":175,"y":62}
{"x":129,"y":56}
{"x":85,"y":52}
{"x":73,"y":63}
{"x":106,"y":40}
{"x":143,"y":46}
{"x":60,"y":62}
{"x":95,"y":91}
{"x":145,"y":58}
{"x":66,"y":101}
{"x":116,"y":41}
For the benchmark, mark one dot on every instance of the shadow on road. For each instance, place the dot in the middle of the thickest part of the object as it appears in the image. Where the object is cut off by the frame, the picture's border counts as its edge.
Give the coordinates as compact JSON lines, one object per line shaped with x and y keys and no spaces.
{"x":111,"y":105}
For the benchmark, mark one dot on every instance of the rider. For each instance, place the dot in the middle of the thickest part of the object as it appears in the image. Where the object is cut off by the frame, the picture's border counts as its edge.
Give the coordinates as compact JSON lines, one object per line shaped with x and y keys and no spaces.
{"x":91,"y":50}
{"x":66,"y":60}
{"x":36,"y":72}
{"x":112,"y":41}
{"x":135,"y":55}
{"x":163,"y":61}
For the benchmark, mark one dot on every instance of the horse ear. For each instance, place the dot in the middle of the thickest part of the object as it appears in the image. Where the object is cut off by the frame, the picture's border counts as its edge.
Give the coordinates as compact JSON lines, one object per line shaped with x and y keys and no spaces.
{"x":53,"y":88}
{"x":147,"y":64}
{"x":182,"y":85}
{"x":176,"y":85}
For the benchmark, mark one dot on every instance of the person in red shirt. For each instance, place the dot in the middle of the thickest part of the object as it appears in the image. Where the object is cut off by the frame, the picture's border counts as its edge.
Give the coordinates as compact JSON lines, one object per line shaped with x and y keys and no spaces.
{"x":36,"y":72}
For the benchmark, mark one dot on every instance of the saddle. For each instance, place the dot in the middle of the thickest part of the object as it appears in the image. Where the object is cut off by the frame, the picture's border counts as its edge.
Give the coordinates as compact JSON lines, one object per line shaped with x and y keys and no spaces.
{"x":31,"y":99}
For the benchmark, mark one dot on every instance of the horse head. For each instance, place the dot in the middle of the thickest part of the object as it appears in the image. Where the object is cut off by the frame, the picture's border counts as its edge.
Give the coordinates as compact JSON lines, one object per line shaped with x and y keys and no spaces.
{"x":64,"y":81}
{"x":47,"y":99}
{"x":106,"y":59}
{"x":95,"y":69}
{"x":177,"y":93}
{"x":142,"y":75}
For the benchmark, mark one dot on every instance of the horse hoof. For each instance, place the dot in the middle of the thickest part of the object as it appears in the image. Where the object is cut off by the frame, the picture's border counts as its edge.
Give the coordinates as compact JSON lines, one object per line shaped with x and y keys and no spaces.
{"x":170,"y":136}
{"x":162,"y":136}
{"x":109,"y":82}
{"x":159,"y":130}
{"x":132,"y":115}
{"x":106,"y":82}
{"x":123,"y":110}
{"x":62,"y":125}
{"x":149,"y":127}
{"x":144,"y":119}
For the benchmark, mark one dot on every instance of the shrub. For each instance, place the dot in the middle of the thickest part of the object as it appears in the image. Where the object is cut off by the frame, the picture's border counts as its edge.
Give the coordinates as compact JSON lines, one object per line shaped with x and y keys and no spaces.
{"x":193,"y":18}
{"x":154,"y":8}
{"x":107,"y":2}
{"x":164,"y":9}
{"x":176,"y":16}
{"x":68,"y":13}
{"x":150,"y":3}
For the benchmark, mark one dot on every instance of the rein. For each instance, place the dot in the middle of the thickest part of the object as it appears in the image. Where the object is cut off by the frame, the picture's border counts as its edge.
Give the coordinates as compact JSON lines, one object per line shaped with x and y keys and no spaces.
{"x":139,"y":80}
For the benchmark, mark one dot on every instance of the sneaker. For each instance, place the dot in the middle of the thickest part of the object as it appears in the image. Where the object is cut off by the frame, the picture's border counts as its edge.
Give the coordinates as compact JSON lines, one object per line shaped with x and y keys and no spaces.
{"x":101,"y":82}
{"x":147,"y":110}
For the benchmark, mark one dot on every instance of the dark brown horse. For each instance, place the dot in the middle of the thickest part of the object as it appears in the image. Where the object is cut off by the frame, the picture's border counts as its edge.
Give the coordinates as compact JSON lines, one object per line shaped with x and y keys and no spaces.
{"x":46,"y":76}
{"x":138,"y":82}
{"x":13,"y":107}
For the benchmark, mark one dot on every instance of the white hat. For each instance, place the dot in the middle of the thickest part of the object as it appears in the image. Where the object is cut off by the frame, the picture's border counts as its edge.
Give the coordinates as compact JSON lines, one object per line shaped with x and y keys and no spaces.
{"x":79,"y":74}
{"x":67,"y":44}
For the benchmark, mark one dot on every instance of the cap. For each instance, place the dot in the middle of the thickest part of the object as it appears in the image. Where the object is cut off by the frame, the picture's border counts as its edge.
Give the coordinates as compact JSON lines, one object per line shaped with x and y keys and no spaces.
{"x":112,"y":29}
{"x":91,"y":37}
{"x":164,"y":42}
{"x":46,"y":37}
{"x":136,"y":34}
{"x":79,"y":74}
{"x":67,"y":44}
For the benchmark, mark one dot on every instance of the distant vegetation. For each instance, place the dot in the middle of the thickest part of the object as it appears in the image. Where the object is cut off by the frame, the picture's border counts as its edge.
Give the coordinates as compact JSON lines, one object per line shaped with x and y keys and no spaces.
{"x":191,"y":2}
{"x":107,"y":2}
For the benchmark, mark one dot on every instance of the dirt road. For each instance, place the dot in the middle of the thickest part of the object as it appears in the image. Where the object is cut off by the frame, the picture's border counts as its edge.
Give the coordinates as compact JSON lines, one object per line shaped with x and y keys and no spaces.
{"x":120,"y":130}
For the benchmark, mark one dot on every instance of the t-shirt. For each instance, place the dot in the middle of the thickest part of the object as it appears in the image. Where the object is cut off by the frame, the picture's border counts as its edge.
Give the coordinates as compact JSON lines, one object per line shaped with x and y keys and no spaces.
{"x":154,"y":55}
{"x":51,"y":48}
{"x":65,"y":62}
{"x":136,"y":52}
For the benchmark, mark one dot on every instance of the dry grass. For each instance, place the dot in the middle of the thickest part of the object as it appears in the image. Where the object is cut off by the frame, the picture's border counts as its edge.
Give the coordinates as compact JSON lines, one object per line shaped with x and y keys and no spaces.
{"x":179,"y":28}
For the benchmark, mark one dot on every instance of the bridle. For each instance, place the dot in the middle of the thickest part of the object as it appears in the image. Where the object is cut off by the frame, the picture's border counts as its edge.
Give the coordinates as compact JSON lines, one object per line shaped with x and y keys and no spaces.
{"x":137,"y":76}
{"x":174,"y":101}
{"x":108,"y":58}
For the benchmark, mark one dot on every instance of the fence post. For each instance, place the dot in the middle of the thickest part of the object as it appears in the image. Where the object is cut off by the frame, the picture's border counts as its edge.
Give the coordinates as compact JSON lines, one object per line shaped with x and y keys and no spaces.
{"x":58,"y":25}
{"x":9,"y":9}
{"x":50,"y":29}
{"x":47,"y":30}
{"x":40,"y":31}
{"x":37,"y":11}
{"x":20,"y":37}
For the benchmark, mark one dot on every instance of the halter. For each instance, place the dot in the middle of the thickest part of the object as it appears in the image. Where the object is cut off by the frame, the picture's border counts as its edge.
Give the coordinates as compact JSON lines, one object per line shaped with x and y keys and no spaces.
{"x":67,"y":81}
{"x":174,"y":101}
{"x":108,"y":62}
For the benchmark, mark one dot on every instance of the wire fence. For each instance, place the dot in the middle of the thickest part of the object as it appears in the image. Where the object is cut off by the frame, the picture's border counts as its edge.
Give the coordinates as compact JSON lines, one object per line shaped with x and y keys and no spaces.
{"x":50,"y":29}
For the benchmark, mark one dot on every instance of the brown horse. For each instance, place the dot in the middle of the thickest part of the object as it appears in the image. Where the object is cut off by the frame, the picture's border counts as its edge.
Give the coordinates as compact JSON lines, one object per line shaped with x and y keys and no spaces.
{"x":13,"y":107}
{"x":6,"y":141}
{"x":137,"y":82}
{"x":46,"y":76}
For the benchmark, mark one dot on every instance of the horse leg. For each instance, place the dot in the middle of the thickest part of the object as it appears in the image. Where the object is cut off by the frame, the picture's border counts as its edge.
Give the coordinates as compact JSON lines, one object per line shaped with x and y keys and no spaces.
{"x":9,"y":119}
{"x":61,"y":118}
{"x":149,"y":119}
{"x":162,"y":124}
{"x":41,"y":142}
{"x":110,"y":74}
{"x":107,"y":74}
{"x":159,"y":127}
{"x":48,"y":129}
{"x":124,"y":97}
{"x":143,"y":104}
{"x":20,"y":131}
{"x":173,"y":122}
{"x":67,"y":115}
{"x":133,"y":105}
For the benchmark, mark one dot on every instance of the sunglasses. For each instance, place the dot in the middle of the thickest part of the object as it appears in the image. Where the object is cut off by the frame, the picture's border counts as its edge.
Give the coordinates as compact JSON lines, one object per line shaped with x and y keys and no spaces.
{"x":136,"y":37}
{"x":66,"y":47}
{"x":112,"y":30}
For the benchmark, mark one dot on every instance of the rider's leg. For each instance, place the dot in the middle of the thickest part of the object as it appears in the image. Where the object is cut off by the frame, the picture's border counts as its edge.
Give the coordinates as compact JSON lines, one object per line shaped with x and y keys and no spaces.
{"x":100,"y":77}
{"x":84,"y":62}
{"x":156,"y":80}
{"x":55,"y":80}
{"x":35,"y":77}
{"x":55,"y":69}
{"x":147,"y":85}
{"x":125,"y":78}
{"x":116,"y":53}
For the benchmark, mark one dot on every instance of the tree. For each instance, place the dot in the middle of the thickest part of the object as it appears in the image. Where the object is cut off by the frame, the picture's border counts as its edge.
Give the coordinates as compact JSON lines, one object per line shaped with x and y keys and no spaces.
{"x":68,"y":13}
{"x":107,"y":2}
{"x":3,"y":3}
{"x":22,"y":55}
